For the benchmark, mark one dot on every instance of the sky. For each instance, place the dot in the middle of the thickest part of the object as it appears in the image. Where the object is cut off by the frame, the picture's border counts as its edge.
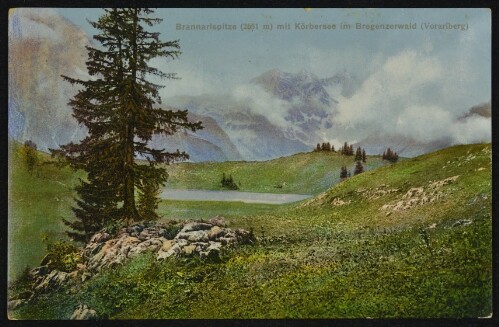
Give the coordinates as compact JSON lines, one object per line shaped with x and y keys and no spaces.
{"x":214,"y":60}
{"x":415,"y":81}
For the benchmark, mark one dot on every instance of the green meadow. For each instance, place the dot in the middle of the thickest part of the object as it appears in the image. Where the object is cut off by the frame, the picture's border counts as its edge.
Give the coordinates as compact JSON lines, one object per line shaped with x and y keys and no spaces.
{"x":342,"y":254}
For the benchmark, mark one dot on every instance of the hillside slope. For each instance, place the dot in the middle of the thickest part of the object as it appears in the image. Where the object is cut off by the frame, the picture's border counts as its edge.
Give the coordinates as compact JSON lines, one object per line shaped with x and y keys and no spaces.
{"x":408,"y":240}
{"x":38,"y":201}
{"x":302,"y":173}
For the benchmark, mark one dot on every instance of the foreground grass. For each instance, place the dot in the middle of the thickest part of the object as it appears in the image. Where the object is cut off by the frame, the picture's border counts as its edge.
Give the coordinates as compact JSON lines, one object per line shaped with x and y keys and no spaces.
{"x":346,"y":275}
{"x":324,"y":261}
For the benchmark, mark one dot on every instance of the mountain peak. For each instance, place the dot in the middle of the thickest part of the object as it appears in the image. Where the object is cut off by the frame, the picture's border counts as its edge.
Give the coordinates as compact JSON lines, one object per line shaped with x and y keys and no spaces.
{"x":307,"y":75}
{"x":303,"y":85}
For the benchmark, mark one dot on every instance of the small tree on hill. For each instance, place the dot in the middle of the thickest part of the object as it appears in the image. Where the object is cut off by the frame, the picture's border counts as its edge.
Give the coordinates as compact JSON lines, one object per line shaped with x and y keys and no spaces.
{"x":228,"y":182}
{"x":30,"y":156}
{"x":318,"y":147}
{"x":343,"y":172}
{"x":358,"y":154}
{"x":344,"y":149}
{"x":332,"y":148}
{"x":364,"y":156}
{"x":390,"y":155}
{"x":358,"y":168}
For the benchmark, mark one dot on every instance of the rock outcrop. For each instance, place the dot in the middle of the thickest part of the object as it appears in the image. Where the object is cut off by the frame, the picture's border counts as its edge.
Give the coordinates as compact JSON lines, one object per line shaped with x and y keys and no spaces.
{"x":83,"y":312}
{"x":104,"y":251}
{"x":205,"y":239}
{"x":417,"y":196}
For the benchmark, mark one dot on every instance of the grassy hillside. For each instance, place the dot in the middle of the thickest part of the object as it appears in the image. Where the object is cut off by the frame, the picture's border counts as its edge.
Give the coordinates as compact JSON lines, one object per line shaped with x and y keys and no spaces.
{"x":302,"y":173}
{"x":407,"y":240}
{"x":36,"y":204}
{"x":39,"y":201}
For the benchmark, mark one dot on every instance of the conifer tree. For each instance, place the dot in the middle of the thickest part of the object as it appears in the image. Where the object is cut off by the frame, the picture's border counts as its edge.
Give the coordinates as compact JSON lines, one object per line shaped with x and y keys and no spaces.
{"x":364,"y":156}
{"x":395,"y":157}
{"x":358,"y":168}
{"x":332,"y":148}
{"x":148,"y":198}
{"x":343,"y":173}
{"x":358,"y":154}
{"x":120,"y":109}
{"x":390,"y":155}
{"x":29,"y":155}
{"x":318,"y":148}
{"x":344,"y":150}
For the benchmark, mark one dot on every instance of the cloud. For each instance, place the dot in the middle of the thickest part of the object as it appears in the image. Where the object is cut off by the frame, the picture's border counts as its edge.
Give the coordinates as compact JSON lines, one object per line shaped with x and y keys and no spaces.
{"x":425,"y":124}
{"x":382,"y":94}
{"x":474,"y":129}
{"x":404,"y":96}
{"x":264,"y":103}
{"x":418,"y":91}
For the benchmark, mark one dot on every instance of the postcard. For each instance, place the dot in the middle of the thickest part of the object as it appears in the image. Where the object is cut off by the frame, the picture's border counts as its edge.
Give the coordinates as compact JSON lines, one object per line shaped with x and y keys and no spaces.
{"x":170,"y":163}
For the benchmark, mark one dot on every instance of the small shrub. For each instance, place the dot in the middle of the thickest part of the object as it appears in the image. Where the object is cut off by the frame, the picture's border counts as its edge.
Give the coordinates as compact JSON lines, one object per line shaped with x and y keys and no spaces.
{"x":229,"y":183}
{"x":63,"y":256}
{"x":112,"y":228}
{"x":30,"y":156}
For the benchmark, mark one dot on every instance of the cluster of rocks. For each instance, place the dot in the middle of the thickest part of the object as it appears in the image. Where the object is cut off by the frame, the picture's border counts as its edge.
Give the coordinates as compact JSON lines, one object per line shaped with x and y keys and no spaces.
{"x":103,"y":251}
{"x":46,"y":279}
{"x":205,"y":239}
{"x":377,"y":192}
{"x":368,"y":193}
{"x":417,"y":196}
{"x":336,"y":202}
{"x":83,"y":312}
{"x":317,"y":199}
{"x":462,"y":160}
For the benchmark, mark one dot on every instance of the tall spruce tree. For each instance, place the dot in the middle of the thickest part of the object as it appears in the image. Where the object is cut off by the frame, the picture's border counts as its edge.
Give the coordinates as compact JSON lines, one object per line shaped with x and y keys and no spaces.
{"x":120,"y":108}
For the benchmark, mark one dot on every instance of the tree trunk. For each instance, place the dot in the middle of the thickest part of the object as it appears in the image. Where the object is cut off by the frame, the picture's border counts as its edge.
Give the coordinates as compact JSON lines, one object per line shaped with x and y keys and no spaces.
{"x":129,"y":207}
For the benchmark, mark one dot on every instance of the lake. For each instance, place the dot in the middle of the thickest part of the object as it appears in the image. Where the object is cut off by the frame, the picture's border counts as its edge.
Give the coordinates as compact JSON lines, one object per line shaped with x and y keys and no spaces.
{"x":247,"y":197}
